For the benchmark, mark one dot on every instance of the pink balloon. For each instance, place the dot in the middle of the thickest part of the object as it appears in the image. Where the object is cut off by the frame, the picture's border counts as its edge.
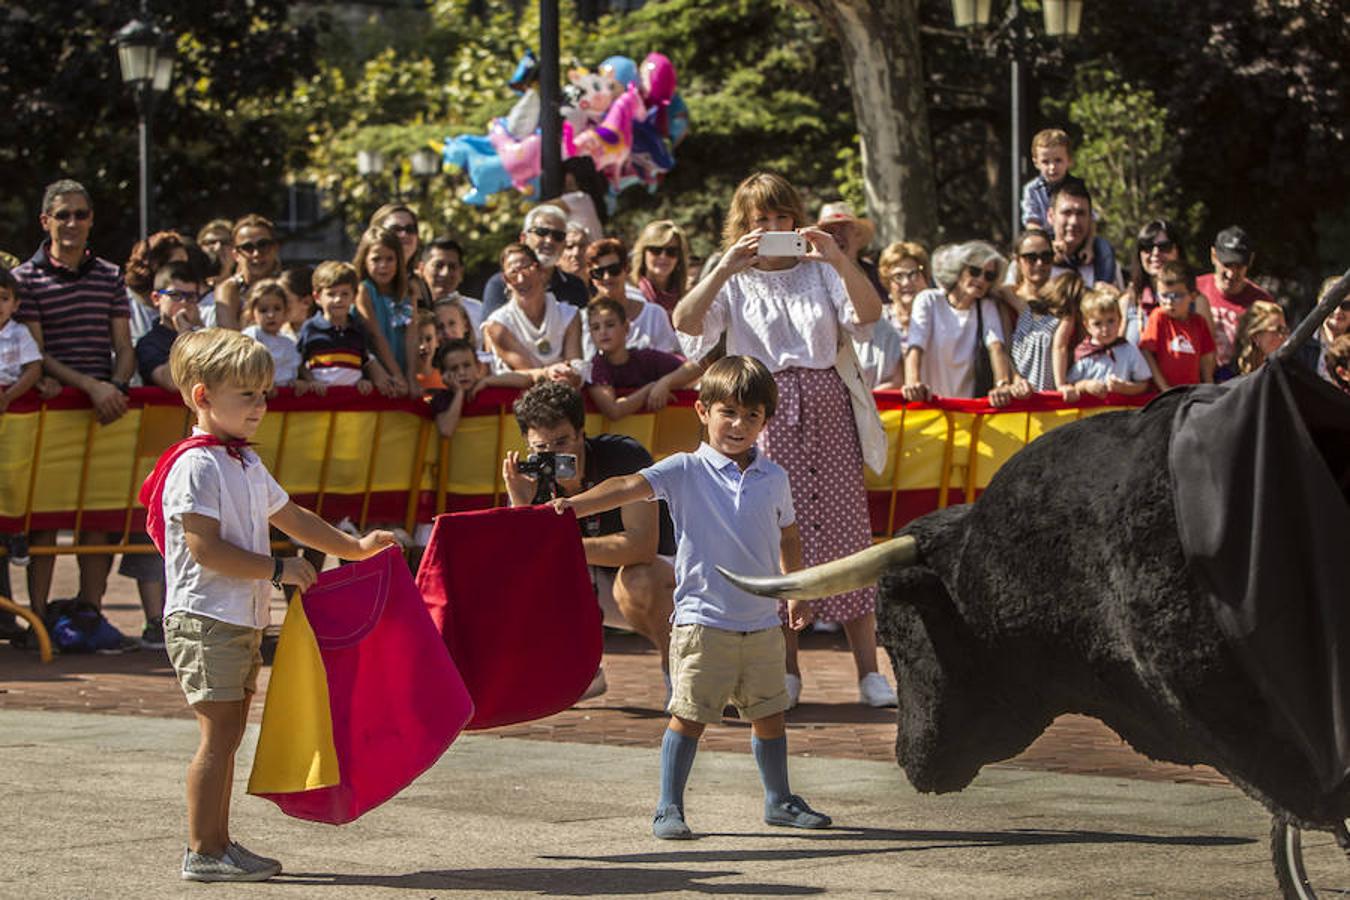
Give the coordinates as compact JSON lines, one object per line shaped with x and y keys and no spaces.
{"x":519,"y":158}
{"x":657,"y":75}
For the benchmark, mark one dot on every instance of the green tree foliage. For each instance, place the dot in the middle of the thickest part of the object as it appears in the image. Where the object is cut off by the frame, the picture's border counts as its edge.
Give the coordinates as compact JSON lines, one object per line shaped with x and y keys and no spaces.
{"x":219,"y":146}
{"x":1129,"y":155}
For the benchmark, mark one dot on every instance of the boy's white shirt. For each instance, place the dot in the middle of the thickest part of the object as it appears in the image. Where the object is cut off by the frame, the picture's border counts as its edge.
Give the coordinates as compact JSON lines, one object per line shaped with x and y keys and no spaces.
{"x":17,"y":349}
{"x":210,"y":482}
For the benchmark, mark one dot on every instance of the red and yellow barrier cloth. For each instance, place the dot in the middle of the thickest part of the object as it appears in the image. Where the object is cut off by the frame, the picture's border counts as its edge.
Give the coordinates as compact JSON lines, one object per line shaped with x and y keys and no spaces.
{"x":363,"y":696}
{"x":381,"y":461}
{"x":509,"y":590}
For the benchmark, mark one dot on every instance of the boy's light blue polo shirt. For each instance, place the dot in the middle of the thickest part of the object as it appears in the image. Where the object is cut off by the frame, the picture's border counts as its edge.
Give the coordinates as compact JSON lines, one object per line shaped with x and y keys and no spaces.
{"x":723,"y":517}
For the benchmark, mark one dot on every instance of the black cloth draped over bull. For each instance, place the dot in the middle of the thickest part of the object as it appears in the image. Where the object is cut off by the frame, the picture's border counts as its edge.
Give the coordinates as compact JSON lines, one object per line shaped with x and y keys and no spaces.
{"x":1260,"y":467}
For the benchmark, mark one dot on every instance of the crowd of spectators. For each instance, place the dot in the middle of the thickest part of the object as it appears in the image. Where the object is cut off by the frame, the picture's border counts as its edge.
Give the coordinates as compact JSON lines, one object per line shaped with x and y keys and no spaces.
{"x":1056,"y":314}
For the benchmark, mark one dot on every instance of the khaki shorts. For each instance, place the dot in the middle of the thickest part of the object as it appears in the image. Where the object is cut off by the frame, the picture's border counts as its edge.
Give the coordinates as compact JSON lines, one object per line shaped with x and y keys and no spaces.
{"x":709,"y":666}
{"x":214,"y":660}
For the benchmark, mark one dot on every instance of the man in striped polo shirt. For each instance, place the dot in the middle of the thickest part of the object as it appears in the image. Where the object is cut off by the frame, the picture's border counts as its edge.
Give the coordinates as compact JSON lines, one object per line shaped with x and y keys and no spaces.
{"x":76,"y":306}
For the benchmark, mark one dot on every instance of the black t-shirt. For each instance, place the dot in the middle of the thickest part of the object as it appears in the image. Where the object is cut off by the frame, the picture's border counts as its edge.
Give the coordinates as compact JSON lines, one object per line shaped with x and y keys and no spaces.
{"x":608,"y":455}
{"x":152,"y":351}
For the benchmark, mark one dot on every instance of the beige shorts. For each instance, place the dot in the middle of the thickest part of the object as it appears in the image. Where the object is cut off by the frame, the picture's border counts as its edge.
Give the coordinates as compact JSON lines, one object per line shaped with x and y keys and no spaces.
{"x":709,"y":666}
{"x":214,"y":660}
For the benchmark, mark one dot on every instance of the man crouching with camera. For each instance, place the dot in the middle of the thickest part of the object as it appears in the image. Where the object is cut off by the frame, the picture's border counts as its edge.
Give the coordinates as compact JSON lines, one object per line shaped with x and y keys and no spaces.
{"x":629,"y":550}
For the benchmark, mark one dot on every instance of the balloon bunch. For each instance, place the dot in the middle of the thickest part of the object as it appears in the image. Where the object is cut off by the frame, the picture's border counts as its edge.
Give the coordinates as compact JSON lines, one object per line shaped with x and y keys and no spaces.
{"x":627,"y":118}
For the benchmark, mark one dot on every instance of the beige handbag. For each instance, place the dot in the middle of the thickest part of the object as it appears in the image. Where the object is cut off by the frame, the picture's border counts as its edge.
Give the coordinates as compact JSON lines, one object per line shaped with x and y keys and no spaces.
{"x":871,"y":433}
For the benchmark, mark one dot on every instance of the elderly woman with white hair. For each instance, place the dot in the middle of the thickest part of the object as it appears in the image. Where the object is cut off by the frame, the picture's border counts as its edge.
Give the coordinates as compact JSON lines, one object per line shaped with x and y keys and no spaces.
{"x":952,"y":326}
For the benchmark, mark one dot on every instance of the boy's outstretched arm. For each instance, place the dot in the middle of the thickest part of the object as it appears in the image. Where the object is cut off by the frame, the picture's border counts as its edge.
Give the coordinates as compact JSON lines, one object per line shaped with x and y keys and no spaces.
{"x":304,"y":527}
{"x":608,"y":494}
{"x":211,"y":551}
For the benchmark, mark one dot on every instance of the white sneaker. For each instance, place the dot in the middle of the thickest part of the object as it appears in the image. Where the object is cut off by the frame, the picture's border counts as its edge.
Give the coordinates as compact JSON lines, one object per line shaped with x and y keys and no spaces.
{"x":875,"y":690}
{"x":227,"y":867}
{"x":598,"y":686}
{"x":794,"y":689}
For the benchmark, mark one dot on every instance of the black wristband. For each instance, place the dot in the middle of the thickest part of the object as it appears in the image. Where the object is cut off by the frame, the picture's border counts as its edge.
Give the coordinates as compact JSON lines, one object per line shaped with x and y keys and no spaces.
{"x":277,"y":566}
{"x":121,"y":386}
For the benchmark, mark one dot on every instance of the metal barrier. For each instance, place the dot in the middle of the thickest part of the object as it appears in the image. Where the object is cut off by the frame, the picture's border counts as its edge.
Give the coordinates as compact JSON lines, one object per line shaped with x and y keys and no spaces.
{"x":371,"y":459}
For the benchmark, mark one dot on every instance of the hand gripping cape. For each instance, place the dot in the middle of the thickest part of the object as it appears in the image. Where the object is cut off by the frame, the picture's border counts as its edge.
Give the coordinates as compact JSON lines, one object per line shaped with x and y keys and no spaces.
{"x":363,"y":696}
{"x":509,"y":591}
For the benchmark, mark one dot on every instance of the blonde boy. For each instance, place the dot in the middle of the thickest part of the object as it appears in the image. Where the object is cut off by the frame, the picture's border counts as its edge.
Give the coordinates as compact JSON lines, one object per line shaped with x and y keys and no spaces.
{"x":1105,"y":363}
{"x":216,"y":502}
{"x":1053,"y":159}
{"x":732,"y":508}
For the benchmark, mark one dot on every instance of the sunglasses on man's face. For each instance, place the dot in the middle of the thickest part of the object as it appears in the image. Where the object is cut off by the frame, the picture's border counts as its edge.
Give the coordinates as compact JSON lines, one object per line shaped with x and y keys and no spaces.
{"x":552,"y":234}
{"x":65,"y":215}
{"x":1163,"y":246}
{"x":1044,"y":257}
{"x":600,"y":273}
{"x":257,"y":246}
{"x":673,"y":252}
{"x":989,"y":275}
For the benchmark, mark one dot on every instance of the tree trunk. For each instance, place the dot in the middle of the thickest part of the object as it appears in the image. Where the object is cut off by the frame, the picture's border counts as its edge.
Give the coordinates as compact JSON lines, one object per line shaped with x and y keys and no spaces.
{"x":880,"y":43}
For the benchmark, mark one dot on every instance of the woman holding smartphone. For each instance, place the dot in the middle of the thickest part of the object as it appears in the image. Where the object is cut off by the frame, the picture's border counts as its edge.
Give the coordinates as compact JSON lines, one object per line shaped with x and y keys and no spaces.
{"x":788,"y":312}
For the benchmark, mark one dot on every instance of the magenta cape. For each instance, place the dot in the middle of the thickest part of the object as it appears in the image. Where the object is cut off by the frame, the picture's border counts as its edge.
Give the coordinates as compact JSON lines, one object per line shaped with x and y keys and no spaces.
{"x":363,"y":696}
{"x":509,"y":591}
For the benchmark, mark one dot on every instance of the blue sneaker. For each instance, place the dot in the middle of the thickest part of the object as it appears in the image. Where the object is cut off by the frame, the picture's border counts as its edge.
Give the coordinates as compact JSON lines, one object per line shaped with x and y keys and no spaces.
{"x":668,"y":824}
{"x":794,"y":813}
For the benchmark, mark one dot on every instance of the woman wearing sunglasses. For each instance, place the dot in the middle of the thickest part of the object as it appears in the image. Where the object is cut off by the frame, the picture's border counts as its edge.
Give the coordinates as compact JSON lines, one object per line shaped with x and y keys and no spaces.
{"x":1156,"y":246}
{"x":953,"y":322}
{"x":257,"y":255}
{"x":660,"y":265}
{"x":606,"y":264}
{"x":1036,"y":310}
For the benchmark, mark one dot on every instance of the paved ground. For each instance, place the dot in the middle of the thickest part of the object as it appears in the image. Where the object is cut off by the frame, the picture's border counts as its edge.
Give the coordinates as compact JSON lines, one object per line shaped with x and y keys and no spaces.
{"x":829,"y":722}
{"x":94,"y":809}
{"x":92,"y":753}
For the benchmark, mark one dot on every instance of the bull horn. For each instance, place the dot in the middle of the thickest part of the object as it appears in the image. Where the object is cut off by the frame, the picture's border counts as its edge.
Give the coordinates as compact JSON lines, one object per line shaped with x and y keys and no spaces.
{"x":838,"y":576}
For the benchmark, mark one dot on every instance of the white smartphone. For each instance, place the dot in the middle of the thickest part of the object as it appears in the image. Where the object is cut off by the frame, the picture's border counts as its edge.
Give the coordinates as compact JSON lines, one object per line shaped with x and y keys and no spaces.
{"x":782,"y":243}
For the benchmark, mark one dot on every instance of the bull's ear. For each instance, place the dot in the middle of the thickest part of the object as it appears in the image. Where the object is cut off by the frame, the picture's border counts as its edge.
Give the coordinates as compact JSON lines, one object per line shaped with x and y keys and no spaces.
{"x":836,"y":577}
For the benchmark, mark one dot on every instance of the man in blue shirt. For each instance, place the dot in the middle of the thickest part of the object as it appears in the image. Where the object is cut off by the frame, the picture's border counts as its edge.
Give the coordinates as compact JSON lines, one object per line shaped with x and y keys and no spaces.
{"x":732,"y":507}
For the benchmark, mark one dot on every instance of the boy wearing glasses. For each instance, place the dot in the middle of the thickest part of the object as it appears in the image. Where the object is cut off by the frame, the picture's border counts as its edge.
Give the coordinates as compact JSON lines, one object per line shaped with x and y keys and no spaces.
{"x":176,"y":296}
{"x":1176,"y":342}
{"x":544,"y":232}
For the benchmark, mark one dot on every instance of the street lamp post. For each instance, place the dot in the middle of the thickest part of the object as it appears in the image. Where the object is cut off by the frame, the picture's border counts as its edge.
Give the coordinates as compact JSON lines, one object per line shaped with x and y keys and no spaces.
{"x":426,"y":165}
{"x":147,"y":64}
{"x":1062,"y":19}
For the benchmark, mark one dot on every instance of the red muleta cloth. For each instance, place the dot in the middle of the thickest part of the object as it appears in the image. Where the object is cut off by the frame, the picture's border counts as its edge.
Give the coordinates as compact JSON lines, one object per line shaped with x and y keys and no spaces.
{"x":395,"y":698}
{"x":511,"y":595}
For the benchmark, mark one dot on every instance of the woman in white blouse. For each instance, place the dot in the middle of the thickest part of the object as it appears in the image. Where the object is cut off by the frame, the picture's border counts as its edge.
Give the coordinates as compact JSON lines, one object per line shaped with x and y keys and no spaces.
{"x":788,"y":312}
{"x":533,"y":333}
{"x":944,"y":327}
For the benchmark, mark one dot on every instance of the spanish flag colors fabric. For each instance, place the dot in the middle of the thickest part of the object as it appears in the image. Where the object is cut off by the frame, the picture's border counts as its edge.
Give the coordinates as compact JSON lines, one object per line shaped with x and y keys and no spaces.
{"x":363,"y":698}
{"x":509,"y":591}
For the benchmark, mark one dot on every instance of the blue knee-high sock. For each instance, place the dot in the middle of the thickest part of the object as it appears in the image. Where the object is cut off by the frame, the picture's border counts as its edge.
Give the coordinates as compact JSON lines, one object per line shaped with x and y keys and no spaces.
{"x":677,"y":759}
{"x":771,"y":757}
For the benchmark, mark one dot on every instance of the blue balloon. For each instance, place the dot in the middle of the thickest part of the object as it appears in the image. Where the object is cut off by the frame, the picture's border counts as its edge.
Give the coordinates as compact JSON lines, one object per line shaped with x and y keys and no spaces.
{"x":623,"y":69}
{"x":475,"y":154}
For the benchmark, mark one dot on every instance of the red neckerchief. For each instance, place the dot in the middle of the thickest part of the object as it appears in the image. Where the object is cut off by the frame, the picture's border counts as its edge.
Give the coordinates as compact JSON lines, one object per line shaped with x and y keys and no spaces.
{"x":1087,"y":348}
{"x":152,"y":491}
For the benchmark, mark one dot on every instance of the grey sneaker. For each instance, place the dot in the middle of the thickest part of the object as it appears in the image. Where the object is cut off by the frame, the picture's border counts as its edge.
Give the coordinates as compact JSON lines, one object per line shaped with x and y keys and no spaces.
{"x":668,"y":824}
{"x":228,"y":867}
{"x":239,"y":851}
{"x":794,"y":813}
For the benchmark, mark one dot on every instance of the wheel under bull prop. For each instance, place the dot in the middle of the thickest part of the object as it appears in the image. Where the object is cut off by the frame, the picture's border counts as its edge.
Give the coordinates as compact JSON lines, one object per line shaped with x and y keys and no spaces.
{"x":1176,"y":572}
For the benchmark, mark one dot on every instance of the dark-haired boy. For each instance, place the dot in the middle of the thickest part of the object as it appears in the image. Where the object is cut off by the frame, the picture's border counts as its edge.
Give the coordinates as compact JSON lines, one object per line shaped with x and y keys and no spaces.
{"x":732,"y":509}
{"x":1176,"y":340}
{"x":649,"y":373}
{"x":464,"y":375}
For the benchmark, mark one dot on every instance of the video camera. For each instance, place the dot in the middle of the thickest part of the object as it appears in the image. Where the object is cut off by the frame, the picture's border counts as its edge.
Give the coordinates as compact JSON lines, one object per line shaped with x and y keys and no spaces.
{"x":547,"y":468}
